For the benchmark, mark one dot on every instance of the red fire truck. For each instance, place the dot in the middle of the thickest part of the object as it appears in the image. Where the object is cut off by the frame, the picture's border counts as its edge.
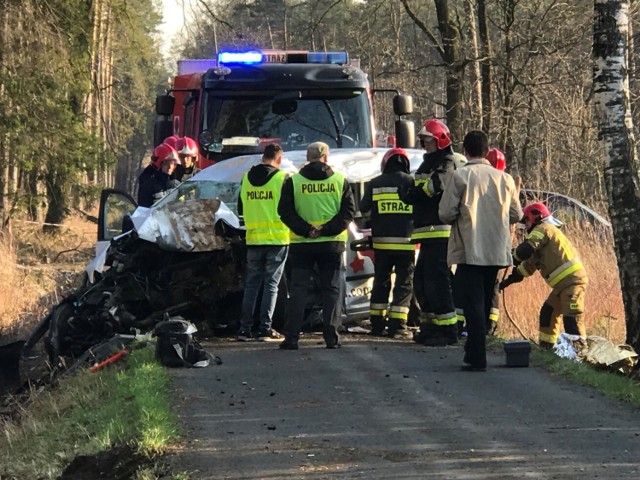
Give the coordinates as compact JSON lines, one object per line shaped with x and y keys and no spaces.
{"x":236,"y":104}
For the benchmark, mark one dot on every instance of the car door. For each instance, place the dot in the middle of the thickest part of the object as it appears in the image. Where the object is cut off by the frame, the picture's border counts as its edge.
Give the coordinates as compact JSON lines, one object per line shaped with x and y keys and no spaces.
{"x":115,"y":206}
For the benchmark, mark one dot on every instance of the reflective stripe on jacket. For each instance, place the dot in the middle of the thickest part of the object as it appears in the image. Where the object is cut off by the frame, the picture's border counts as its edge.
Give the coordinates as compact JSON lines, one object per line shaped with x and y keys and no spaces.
{"x":317,"y":202}
{"x":391,"y":219}
{"x":425,"y":195}
{"x":260,"y":210}
{"x":554,"y":256}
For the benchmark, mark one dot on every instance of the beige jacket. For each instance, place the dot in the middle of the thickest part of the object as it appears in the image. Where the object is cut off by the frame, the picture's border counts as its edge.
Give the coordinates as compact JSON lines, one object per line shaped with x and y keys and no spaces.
{"x":480,"y":202}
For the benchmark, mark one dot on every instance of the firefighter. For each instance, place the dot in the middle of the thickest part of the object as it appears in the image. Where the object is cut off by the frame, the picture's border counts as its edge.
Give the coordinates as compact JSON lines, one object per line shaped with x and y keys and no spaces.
{"x":267,"y":242}
{"x":548,"y":250}
{"x":391,"y":226}
{"x":172,"y":141}
{"x":155,"y":180}
{"x":317,"y":205}
{"x":187,"y":149}
{"x":432,"y":280}
{"x":497,"y":160}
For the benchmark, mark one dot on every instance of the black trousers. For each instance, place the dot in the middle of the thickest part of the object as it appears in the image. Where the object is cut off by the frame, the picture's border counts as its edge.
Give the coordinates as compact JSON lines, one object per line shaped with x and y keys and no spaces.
{"x":331,"y":275}
{"x":433,"y":278}
{"x":402,"y":263}
{"x":473,"y":288}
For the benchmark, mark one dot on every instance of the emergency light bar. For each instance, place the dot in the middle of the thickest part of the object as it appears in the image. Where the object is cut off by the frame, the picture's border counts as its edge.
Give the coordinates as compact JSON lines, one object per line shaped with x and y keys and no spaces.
{"x":282,"y":56}
{"x":246,"y":58}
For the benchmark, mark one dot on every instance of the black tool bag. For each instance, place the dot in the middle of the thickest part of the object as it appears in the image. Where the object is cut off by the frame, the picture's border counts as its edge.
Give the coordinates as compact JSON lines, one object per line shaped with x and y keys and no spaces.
{"x":176,"y":346}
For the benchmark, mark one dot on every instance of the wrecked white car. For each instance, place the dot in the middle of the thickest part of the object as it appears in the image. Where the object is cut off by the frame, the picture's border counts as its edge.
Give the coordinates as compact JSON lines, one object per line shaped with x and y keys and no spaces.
{"x":186,"y":255}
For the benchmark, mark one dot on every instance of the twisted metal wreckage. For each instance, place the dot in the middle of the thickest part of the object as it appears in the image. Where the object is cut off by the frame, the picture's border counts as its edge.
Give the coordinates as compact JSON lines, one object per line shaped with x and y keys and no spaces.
{"x":184,"y":256}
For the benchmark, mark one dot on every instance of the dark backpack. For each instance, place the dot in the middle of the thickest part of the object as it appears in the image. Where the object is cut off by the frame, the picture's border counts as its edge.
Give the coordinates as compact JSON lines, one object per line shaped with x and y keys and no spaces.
{"x":176,"y":346}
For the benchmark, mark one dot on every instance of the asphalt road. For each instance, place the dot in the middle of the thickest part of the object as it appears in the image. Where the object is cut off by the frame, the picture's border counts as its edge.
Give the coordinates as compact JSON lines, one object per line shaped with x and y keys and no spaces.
{"x":384,"y":409}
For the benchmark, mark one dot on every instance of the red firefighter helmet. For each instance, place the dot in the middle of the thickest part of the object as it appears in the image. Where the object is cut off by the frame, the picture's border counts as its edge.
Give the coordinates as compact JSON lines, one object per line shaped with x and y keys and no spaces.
{"x":400,"y":156}
{"x":534,"y":213}
{"x":172,"y":140}
{"x":187,"y":147}
{"x":497,"y":159}
{"x":438,"y":130}
{"x":163,"y":153}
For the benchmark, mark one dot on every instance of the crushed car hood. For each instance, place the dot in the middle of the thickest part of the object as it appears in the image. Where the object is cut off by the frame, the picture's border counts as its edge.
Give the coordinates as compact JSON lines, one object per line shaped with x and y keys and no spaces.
{"x":189,"y":225}
{"x":356,"y":165}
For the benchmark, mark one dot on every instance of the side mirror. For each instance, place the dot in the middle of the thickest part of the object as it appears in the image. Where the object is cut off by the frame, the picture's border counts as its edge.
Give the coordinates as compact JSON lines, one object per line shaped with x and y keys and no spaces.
{"x":162,"y":129}
{"x":403,"y":105}
{"x":165,"y":104}
{"x":205,"y":139}
{"x":405,"y":134}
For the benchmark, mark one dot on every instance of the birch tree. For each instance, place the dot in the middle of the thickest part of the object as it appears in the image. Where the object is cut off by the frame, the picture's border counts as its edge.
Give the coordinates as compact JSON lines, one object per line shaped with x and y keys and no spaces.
{"x":615,"y":129}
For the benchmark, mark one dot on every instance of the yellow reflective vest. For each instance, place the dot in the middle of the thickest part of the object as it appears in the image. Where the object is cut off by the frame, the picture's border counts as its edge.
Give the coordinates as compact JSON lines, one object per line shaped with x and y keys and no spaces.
{"x":260,"y":211}
{"x":317,"y":202}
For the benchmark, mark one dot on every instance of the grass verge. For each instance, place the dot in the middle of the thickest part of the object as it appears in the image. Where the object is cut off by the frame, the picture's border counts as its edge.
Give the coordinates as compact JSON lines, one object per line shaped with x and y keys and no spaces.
{"x":608,"y":383}
{"x":89,"y":413}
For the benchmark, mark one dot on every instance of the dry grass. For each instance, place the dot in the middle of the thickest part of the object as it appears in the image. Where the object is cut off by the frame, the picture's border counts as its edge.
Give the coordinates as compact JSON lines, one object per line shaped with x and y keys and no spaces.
{"x":604,"y":311}
{"x":41,"y":268}
{"x":38,"y":269}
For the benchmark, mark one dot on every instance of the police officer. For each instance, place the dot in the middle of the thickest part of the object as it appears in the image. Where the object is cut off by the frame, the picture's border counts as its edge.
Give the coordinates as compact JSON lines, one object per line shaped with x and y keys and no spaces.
{"x":317,"y":205}
{"x":267,"y":242}
{"x":432,"y":282}
{"x":155,"y":180}
{"x":391,"y":226}
{"x":548,"y":250}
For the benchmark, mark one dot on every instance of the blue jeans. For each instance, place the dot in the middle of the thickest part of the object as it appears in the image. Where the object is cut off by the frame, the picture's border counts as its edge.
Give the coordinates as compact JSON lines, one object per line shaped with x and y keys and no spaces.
{"x":265,"y":265}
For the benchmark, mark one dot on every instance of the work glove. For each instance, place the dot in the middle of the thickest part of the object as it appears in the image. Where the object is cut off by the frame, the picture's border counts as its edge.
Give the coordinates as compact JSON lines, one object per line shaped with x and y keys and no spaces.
{"x":515,"y":277}
{"x":515,"y":260}
{"x":433,"y":186}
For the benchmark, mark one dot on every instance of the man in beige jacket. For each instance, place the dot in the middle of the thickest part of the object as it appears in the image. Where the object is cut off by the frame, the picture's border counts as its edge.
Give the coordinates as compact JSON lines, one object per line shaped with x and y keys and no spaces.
{"x":480,"y":202}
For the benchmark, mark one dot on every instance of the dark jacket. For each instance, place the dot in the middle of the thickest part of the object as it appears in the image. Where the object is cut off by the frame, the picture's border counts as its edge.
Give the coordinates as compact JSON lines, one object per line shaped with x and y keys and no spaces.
{"x":182,"y":173}
{"x":258,"y":175}
{"x":299,"y":226}
{"x":434,"y":167}
{"x":152,"y":184}
{"x":400,"y":224}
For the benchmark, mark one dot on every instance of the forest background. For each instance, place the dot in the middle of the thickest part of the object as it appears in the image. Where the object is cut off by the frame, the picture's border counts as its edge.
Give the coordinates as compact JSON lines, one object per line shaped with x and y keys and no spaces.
{"x":78,"y":80}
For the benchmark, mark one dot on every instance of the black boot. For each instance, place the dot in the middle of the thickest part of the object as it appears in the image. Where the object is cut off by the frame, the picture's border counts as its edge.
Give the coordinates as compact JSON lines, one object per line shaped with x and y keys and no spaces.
{"x":398,"y":329}
{"x":377,"y":326}
{"x":442,"y":336}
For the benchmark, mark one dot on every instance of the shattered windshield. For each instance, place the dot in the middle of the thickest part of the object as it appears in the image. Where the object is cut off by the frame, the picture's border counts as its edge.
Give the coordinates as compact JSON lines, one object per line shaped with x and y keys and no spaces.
{"x":227,"y":192}
{"x":245,"y":124}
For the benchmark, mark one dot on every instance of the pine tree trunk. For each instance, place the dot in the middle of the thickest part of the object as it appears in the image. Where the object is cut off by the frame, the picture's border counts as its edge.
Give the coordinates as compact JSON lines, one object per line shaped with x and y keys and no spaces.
{"x":4,"y":138}
{"x":615,"y":128}
{"x":486,"y":68}
{"x":476,"y":84}
{"x":455,"y":68}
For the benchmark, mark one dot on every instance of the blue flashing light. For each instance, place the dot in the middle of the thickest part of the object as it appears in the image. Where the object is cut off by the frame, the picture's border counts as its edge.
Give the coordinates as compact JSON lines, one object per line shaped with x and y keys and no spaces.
{"x":246,"y":58}
{"x":339,"y":58}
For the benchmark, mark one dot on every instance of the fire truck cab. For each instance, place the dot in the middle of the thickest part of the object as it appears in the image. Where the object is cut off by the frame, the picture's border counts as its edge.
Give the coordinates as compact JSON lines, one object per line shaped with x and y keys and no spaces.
{"x":238,"y":103}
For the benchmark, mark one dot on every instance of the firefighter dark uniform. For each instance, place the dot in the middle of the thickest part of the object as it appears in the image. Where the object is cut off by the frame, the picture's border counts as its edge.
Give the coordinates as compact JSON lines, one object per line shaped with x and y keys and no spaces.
{"x":317,"y":205}
{"x":154,"y":182}
{"x":432,"y":280}
{"x":391,"y":224}
{"x":548,"y":250}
